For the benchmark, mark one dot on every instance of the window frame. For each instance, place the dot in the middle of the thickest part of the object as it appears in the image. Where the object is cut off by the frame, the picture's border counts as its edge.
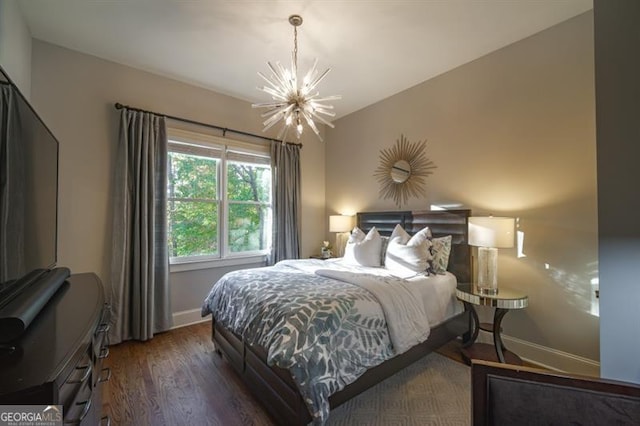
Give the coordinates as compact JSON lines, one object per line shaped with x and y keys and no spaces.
{"x":224,"y":257}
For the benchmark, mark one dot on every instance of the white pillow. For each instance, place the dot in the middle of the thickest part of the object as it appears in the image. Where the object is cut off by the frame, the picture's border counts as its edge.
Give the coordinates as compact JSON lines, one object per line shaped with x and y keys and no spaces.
{"x":356,"y":235}
{"x":407,"y":256}
{"x":363,"y":249}
{"x":399,"y":231}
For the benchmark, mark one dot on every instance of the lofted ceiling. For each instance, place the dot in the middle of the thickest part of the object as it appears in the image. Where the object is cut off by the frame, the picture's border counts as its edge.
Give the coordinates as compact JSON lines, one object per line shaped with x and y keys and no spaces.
{"x":375,"y":48}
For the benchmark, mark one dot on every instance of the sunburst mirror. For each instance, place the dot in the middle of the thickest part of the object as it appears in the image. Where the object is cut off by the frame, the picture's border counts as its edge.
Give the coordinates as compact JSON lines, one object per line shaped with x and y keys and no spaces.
{"x":403,"y":169}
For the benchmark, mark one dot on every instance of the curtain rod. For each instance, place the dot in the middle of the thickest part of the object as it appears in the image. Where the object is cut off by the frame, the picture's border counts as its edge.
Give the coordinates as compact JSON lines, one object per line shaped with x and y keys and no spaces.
{"x":118,"y":105}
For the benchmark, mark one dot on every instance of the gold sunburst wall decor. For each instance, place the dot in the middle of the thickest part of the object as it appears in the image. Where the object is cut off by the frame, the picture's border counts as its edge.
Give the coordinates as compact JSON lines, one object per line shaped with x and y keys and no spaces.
{"x":403,"y":169}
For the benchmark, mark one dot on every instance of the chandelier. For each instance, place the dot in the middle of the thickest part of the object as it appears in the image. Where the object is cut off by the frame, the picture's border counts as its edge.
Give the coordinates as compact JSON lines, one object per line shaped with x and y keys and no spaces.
{"x":292,"y":104}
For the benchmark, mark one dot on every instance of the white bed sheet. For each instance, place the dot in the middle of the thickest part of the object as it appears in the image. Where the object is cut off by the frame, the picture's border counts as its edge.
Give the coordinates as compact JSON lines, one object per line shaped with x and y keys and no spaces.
{"x":439,"y":296}
{"x":438,"y":291}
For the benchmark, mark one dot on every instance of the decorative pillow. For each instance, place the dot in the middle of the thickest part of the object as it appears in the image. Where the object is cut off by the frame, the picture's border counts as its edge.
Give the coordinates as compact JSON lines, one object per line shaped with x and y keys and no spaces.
{"x":399,"y":231}
{"x":363,"y":249}
{"x":441,"y":249}
{"x":383,"y":249}
{"x":406,"y":255}
{"x":356,"y":235}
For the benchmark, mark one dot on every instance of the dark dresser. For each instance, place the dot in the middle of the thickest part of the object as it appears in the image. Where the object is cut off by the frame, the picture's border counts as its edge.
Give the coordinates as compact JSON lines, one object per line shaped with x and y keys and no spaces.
{"x":58,"y":360}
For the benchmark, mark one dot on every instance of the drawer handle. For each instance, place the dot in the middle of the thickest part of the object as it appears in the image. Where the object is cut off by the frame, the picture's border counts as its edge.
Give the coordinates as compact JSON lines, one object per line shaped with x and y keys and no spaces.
{"x":85,"y":411}
{"x":106,"y":419}
{"x":84,"y":378}
{"x":105,"y":379}
{"x":104,"y":352}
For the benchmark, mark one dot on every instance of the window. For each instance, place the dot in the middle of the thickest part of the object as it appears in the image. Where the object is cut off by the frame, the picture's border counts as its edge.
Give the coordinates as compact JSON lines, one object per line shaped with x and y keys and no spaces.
{"x":219,"y":198}
{"x":248,"y":202}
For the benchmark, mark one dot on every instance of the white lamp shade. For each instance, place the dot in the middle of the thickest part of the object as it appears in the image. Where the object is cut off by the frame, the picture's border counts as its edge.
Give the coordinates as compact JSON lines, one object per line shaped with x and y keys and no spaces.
{"x":496,"y":232}
{"x":340,"y":223}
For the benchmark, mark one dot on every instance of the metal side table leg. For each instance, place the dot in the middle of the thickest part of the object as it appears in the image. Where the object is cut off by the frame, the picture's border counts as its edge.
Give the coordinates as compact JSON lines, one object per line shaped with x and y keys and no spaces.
{"x":474,"y":324}
{"x":497,"y":340}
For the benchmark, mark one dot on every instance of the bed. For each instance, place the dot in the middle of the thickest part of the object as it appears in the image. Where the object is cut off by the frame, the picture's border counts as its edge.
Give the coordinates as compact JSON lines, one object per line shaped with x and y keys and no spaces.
{"x":274,"y":386}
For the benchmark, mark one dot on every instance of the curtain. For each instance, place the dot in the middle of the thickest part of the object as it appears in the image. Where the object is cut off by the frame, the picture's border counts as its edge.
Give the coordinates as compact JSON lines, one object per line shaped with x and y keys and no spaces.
{"x":285,"y":170}
{"x":140,"y":297}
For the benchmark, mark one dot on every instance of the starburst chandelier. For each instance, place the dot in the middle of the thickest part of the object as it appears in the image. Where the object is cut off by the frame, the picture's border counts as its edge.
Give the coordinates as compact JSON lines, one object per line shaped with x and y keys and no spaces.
{"x":292,"y":104}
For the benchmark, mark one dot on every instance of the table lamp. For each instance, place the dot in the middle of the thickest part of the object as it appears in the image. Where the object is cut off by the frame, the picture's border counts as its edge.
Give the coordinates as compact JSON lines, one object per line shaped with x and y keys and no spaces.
{"x":340,"y":224}
{"x":489,"y":234}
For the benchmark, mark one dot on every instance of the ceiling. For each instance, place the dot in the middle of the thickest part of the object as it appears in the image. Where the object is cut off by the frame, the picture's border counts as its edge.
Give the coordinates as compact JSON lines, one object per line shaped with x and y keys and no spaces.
{"x":375,"y":48}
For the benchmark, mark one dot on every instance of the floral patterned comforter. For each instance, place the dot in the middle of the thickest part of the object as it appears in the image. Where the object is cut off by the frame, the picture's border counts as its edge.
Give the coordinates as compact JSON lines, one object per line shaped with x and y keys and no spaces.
{"x":324,"y":331}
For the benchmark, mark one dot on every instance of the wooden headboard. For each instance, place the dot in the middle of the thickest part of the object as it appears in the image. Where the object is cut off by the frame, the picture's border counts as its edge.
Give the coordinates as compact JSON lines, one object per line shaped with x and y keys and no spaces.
{"x":441,"y":223}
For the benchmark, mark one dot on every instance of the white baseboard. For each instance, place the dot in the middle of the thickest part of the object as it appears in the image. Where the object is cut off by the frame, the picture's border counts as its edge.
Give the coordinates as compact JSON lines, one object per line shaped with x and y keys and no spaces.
{"x":548,"y":358}
{"x":184,"y":318}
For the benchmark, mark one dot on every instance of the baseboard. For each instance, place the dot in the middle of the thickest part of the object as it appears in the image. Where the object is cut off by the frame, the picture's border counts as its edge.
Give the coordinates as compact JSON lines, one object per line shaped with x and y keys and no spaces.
{"x":551,"y":359}
{"x":184,"y":318}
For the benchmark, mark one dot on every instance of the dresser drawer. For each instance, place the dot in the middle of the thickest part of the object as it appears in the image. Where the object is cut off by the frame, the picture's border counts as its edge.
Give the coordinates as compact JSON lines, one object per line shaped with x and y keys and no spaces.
{"x":81,"y":411}
{"x":100,"y":339}
{"x":79,"y":378}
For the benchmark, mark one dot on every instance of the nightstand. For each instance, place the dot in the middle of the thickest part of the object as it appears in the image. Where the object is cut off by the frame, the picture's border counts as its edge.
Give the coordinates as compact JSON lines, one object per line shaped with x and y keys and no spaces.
{"x":319,"y":256}
{"x":502,"y":302}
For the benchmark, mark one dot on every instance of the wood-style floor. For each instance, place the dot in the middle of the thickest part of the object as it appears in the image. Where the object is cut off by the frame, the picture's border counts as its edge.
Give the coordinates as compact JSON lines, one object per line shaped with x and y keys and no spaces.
{"x":176,"y":378}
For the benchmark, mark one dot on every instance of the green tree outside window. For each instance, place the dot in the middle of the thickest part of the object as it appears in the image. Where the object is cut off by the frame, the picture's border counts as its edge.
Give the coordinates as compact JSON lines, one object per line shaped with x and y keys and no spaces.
{"x":195,"y":206}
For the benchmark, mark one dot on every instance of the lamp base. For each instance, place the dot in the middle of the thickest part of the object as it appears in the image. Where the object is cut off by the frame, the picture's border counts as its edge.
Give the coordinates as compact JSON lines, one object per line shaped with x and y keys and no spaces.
{"x":487,"y":291}
{"x":488,"y":271}
{"x":341,"y":242}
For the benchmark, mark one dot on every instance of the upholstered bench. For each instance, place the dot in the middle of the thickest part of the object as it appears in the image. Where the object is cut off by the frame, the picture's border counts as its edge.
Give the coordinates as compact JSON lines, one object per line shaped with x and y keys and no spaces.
{"x":505,"y":394}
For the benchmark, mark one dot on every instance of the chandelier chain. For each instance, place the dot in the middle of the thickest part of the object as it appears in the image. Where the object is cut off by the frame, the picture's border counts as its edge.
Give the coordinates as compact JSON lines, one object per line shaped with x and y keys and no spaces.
{"x":295,"y":45}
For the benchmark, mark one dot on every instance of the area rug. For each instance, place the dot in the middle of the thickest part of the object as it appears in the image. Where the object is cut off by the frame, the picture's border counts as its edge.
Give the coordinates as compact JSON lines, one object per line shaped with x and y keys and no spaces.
{"x":432,"y":391}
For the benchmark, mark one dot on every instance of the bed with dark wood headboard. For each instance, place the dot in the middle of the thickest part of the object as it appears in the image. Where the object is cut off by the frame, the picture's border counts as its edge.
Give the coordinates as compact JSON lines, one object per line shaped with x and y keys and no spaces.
{"x":441,"y":223}
{"x":274,"y":387}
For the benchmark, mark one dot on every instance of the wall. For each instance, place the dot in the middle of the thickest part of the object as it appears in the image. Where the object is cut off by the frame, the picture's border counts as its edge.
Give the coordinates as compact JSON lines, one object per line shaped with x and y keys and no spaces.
{"x":511,"y":133}
{"x":75,"y":95}
{"x":617,"y":42}
{"x":15,"y":46}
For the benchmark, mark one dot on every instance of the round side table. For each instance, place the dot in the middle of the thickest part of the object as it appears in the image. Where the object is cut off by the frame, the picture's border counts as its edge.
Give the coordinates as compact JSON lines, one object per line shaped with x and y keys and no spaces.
{"x":502,"y":302}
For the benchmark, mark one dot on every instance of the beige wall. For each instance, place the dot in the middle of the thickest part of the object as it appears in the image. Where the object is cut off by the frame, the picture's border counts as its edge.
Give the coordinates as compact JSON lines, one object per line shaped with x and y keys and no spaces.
{"x":513,"y":134}
{"x":75,"y":94}
{"x":15,"y":46}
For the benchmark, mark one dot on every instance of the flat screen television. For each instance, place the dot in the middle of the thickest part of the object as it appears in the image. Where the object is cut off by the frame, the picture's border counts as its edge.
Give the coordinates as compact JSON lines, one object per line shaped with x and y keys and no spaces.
{"x":28,"y":202}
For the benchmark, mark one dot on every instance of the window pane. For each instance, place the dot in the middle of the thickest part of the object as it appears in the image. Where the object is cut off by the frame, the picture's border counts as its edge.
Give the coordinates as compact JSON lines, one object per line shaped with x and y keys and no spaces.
{"x":248,"y":182}
{"x":192,"y":177}
{"x":193,"y":228}
{"x":249,"y":227}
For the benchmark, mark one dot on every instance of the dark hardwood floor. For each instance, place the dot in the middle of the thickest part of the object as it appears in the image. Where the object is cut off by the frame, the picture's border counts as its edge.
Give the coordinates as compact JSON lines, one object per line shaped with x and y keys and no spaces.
{"x":452,"y":350}
{"x":176,"y":378}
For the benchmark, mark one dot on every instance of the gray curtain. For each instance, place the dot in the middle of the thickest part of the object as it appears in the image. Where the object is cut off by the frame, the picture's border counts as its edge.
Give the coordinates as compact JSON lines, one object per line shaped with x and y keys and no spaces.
{"x":140,"y":301}
{"x":285,"y":170}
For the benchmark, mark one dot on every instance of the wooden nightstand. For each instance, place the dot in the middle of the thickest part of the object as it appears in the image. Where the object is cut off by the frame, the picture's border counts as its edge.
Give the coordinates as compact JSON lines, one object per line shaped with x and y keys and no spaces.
{"x":503,"y":302}
{"x":319,"y":256}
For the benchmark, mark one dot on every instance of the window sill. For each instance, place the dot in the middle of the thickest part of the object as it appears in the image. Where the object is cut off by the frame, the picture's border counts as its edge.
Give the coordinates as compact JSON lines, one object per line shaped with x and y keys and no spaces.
{"x":217,"y":263}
